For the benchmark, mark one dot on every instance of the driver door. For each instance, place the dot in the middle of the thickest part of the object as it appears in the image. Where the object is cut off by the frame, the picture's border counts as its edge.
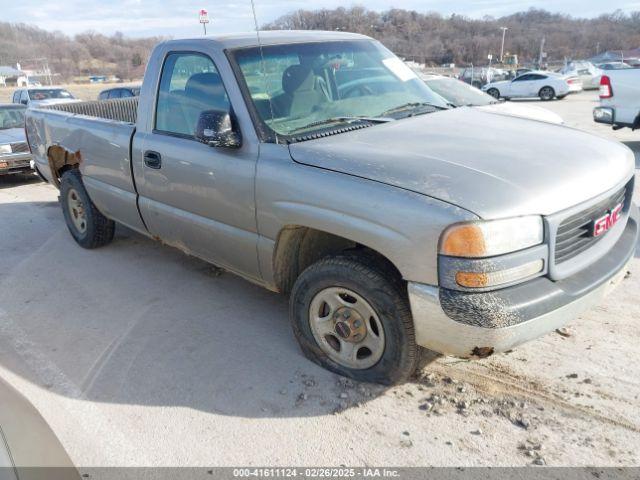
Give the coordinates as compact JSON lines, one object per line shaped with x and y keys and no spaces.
{"x":193,"y":196}
{"x":521,"y":86}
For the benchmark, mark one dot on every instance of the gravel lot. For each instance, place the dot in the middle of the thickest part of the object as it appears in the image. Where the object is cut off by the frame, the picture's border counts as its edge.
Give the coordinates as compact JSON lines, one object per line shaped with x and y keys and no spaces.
{"x":138,"y":355}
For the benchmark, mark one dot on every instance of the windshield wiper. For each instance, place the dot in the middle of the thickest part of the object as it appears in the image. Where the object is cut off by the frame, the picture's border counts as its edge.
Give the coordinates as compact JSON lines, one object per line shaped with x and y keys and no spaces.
{"x":412,"y":106}
{"x":328,"y":121}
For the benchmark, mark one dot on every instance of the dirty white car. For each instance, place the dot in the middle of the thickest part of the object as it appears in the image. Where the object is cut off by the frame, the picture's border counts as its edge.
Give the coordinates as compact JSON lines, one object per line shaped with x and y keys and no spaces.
{"x":545,"y":85}
{"x":459,"y":94}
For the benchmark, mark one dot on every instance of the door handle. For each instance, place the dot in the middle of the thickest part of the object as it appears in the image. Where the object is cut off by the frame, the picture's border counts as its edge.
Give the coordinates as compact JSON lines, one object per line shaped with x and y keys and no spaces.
{"x":152,"y":159}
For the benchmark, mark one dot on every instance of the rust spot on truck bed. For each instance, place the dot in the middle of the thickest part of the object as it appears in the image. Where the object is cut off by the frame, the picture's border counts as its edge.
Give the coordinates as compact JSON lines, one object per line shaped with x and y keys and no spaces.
{"x":61,"y":160}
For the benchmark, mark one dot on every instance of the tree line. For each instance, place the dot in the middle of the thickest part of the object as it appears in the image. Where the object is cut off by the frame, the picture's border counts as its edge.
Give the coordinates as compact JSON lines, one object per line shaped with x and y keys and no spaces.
{"x":436,"y":39}
{"x":82,"y":55}
{"x":425,"y":37}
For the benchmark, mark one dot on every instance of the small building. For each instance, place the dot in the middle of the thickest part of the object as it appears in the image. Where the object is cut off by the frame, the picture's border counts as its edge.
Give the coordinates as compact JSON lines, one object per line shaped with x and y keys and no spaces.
{"x":10,"y":76}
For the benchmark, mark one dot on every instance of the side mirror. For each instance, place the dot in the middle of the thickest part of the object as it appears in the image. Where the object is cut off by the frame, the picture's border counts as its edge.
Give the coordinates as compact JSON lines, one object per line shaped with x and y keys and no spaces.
{"x":24,"y":101}
{"x":216,"y":128}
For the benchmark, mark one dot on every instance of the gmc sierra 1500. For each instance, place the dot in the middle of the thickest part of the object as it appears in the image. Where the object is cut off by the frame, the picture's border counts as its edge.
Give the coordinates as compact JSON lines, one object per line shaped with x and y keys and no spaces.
{"x":318,"y":164}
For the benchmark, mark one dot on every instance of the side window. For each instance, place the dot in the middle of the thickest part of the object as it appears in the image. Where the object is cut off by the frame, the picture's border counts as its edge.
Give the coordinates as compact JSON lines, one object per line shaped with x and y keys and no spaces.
{"x":24,"y":97}
{"x":538,"y":77}
{"x":125,"y":93}
{"x":189,"y":85}
{"x":523,"y":78}
{"x":115,"y":93}
{"x":103,"y":95}
{"x":16,"y":96}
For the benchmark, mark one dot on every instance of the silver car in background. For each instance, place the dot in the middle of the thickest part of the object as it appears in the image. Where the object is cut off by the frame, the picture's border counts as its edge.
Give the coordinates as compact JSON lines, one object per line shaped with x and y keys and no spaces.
{"x":459,"y":94}
{"x":43,"y":96}
{"x":15,"y":156}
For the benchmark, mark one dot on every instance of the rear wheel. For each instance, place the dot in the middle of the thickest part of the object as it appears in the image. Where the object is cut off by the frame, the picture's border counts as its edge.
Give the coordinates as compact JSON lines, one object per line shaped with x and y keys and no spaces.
{"x":494,"y":92}
{"x":87,"y":225}
{"x":546,"y":94}
{"x":353,"y":318}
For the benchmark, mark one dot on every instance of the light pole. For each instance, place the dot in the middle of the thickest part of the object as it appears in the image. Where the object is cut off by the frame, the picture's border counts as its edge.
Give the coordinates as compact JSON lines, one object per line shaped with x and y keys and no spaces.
{"x":504,"y":32}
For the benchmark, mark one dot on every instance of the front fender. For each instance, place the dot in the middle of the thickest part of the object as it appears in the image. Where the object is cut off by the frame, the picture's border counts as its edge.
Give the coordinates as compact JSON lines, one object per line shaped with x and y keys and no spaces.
{"x":403,"y":226}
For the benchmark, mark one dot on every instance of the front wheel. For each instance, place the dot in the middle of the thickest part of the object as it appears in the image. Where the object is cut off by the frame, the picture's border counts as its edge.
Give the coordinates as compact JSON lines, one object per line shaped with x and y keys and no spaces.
{"x":352,"y":318}
{"x":546,"y":94}
{"x":87,"y":225}
{"x":494,"y":92}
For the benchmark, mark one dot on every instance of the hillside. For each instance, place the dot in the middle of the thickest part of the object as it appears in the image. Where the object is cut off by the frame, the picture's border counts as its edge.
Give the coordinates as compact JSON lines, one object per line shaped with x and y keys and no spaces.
{"x":427,"y":37}
{"x":85,"y":54}
{"x":435,"y":39}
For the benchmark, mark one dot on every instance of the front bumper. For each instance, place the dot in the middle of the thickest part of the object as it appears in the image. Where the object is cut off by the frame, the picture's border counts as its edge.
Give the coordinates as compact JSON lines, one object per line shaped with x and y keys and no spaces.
{"x":476,"y":325}
{"x":15,"y":163}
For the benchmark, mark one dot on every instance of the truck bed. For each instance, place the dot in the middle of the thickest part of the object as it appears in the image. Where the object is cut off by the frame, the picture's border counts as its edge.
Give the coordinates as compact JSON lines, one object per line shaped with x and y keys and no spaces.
{"x":96,"y":138}
{"x":121,"y":109}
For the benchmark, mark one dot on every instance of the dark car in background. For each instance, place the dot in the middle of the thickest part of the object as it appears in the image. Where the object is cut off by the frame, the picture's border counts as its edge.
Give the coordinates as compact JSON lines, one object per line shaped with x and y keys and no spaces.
{"x":119,"y":92}
{"x":15,"y":156}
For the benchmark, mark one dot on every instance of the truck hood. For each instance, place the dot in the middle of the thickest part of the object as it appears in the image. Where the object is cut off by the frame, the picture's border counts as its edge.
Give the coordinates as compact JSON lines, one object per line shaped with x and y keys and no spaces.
{"x":12,"y":135}
{"x":493,"y":165}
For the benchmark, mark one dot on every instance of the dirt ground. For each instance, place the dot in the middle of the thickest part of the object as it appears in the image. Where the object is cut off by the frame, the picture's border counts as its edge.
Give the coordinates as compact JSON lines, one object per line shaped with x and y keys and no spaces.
{"x":138,"y":355}
{"x":88,"y":91}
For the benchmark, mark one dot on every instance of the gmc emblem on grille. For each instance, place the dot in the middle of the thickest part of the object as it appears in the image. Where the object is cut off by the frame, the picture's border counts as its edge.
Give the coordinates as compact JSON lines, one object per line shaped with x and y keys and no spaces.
{"x":604,"y":223}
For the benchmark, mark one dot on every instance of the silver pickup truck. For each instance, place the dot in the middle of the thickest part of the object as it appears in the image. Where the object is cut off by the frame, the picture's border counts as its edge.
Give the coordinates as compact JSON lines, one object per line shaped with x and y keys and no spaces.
{"x":317,"y":164}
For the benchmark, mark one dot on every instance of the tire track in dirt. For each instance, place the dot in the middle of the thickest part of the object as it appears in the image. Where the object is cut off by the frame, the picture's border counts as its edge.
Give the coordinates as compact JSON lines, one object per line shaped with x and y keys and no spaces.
{"x":497,"y":380}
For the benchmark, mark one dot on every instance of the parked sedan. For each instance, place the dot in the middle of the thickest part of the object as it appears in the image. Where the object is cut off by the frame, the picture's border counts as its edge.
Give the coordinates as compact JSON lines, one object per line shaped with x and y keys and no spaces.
{"x":545,"y":85}
{"x":15,"y":156}
{"x":42,"y":96}
{"x":119,"y":92}
{"x":459,"y":94}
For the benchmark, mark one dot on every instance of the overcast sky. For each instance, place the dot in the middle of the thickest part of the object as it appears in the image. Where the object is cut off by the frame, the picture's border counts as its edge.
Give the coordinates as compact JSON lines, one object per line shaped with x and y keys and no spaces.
{"x":179,"y":18}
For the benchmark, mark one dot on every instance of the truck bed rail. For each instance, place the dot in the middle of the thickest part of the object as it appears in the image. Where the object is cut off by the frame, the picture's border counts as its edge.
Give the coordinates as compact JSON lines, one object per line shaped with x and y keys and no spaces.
{"x":119,"y":109}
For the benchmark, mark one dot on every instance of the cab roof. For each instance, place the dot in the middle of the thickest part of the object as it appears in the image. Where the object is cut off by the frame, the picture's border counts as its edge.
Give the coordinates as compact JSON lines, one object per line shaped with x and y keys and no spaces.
{"x":274,"y":37}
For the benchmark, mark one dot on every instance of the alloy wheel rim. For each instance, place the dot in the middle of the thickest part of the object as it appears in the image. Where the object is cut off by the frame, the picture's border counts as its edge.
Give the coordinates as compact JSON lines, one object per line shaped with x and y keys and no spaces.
{"x":347,"y":328}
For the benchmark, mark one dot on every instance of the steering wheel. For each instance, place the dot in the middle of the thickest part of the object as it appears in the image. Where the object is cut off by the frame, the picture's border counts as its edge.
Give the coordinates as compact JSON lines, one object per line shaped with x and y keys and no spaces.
{"x":361,"y":89}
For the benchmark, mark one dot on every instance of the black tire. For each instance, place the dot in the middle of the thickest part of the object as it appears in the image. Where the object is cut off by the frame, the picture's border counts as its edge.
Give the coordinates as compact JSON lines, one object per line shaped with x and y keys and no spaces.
{"x":546,"y":94}
{"x":494,"y":92}
{"x":99,"y":230}
{"x":386,"y":295}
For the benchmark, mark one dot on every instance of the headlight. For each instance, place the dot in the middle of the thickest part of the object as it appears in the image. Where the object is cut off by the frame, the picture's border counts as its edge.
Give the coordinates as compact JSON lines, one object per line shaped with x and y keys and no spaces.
{"x":5,"y":149}
{"x":485,"y":255}
{"x":496,"y":237}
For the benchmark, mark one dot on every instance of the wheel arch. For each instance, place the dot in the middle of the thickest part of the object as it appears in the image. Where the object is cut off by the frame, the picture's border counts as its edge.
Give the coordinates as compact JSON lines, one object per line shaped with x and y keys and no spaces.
{"x":60,"y":160}
{"x":298,"y":247}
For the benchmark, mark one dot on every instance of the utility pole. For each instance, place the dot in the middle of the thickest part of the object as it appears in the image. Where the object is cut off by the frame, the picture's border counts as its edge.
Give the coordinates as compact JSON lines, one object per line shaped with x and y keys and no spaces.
{"x":542,"y":54}
{"x":504,"y":32}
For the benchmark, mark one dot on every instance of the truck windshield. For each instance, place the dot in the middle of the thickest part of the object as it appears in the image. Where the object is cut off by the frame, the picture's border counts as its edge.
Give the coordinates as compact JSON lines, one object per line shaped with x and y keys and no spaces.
{"x":299,"y":88}
{"x":11,"y":117}
{"x":47,"y":93}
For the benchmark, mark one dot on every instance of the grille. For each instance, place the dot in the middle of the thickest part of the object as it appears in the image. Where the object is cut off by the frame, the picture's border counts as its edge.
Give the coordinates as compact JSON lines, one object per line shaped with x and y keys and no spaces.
{"x":574,"y":233}
{"x":20,"y":147}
